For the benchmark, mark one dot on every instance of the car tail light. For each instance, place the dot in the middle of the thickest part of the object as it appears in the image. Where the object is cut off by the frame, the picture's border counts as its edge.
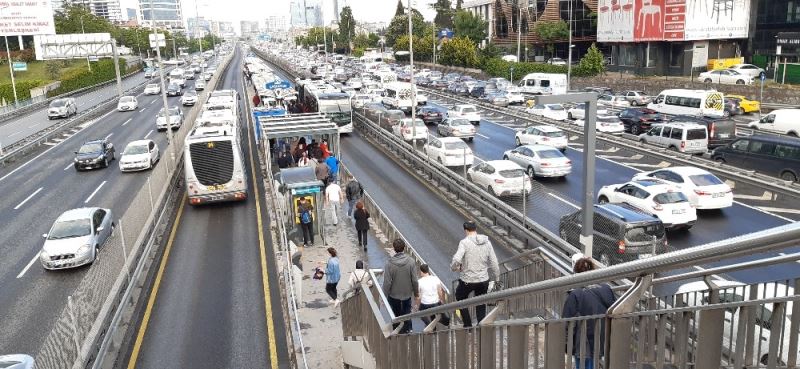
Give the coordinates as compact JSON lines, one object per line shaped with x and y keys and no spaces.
{"x":683,"y":145}
{"x":657,"y":206}
{"x":711,"y":130}
{"x":702,"y":193}
{"x":407,"y":130}
{"x":621,"y":247}
{"x":499,"y":181}
{"x":545,"y":164}
{"x":545,"y":138}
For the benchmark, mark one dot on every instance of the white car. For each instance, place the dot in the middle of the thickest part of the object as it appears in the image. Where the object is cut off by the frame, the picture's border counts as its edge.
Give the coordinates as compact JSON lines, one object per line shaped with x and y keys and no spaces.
{"x":407,"y":132}
{"x":456,"y":127}
{"x":500,"y":177}
{"x":606,"y":124}
{"x":139,"y":155}
{"x":355,"y":83}
{"x":703,"y":189}
{"x":515,"y":96}
{"x":207,"y":76}
{"x":725,"y":76}
{"x":448,"y":151}
{"x":76,"y":237}
{"x":655,"y":197}
{"x":613,"y":101}
{"x":152,"y":89}
{"x":199,"y":85}
{"x":550,"y":111}
{"x":747,"y":69}
{"x":542,"y":135}
{"x":578,"y":111}
{"x":466,"y":111}
{"x":189,"y":98}
{"x":127,"y":103}
{"x":360,"y":99}
{"x":540,"y":160}
{"x":16,"y":361}
{"x":176,"y":119}
{"x":180,"y":81}
{"x":422,"y":99}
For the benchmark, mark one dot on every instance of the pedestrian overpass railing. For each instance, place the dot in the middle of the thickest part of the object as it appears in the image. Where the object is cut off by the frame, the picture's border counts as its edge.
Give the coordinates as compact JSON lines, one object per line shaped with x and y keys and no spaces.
{"x":664,"y":319}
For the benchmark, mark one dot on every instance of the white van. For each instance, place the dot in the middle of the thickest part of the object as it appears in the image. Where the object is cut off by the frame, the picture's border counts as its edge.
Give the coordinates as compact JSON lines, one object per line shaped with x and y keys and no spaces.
{"x":701,"y":103}
{"x":786,"y":121}
{"x":398,"y":96}
{"x":690,"y":138}
{"x":544,"y":84}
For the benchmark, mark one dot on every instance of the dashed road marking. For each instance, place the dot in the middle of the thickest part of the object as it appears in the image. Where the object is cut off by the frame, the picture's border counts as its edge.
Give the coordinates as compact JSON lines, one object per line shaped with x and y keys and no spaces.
{"x":563,"y":200}
{"x":778,"y":210}
{"x":95,"y":192}
{"x":662,"y":164}
{"x":70,"y":165}
{"x":142,"y":110}
{"x":109,"y":135}
{"x":478,"y":134}
{"x":127,"y":121}
{"x":28,"y":198}
{"x":766,"y":196}
{"x":148,"y":134}
{"x":613,"y":157}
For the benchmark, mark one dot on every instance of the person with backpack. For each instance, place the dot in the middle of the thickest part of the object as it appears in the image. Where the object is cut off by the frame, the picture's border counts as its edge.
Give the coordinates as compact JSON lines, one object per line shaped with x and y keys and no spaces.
{"x":333,"y":167}
{"x":362,"y":224}
{"x":305,"y":209}
{"x":358,"y":276}
{"x":431,"y":294}
{"x":353,"y":192}
{"x":589,"y":300}
{"x":477,"y":264}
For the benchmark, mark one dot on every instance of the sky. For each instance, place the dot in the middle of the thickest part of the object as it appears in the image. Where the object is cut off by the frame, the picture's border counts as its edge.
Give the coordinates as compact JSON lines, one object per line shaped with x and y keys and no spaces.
{"x":239,"y":10}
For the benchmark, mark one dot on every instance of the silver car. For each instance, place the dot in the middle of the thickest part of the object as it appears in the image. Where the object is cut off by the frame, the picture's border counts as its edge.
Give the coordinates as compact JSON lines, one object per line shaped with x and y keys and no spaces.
{"x":62,"y":108}
{"x":456,"y":127}
{"x":76,"y":237}
{"x":540,"y":160}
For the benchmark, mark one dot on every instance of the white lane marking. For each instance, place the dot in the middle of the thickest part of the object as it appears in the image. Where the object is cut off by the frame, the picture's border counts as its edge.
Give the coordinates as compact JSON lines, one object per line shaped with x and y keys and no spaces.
{"x":109,"y":135}
{"x":148,"y":134}
{"x":766,"y":196}
{"x":478,"y":134}
{"x":70,"y":165}
{"x":14,"y":134}
{"x":153,"y":102}
{"x":127,"y":121}
{"x":95,"y":192}
{"x":779,"y":210}
{"x":563,"y":200}
{"x":142,"y":110}
{"x":28,"y":266}
{"x":28,"y":198}
{"x":612,"y":157}
{"x":662,"y":164}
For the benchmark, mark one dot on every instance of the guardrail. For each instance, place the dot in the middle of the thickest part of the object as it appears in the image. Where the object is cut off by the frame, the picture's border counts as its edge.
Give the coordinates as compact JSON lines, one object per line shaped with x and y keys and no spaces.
{"x":769,"y":183}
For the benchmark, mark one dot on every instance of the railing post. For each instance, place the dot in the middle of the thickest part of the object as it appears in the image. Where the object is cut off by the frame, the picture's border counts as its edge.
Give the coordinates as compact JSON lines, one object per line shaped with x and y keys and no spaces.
{"x":488,"y":347}
{"x":618,"y":330}
{"x":555,"y":341}
{"x":775,"y":339}
{"x":710,"y":331}
{"x":793,"y":331}
{"x":518,"y":346}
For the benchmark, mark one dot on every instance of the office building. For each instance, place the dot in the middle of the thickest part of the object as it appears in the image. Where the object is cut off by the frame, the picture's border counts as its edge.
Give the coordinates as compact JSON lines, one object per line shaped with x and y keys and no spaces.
{"x":130,"y":14}
{"x":108,"y":9}
{"x":306,"y":13}
{"x":249,"y":29}
{"x":163,"y":13}
{"x":275,"y":23}
{"x":197,"y":27}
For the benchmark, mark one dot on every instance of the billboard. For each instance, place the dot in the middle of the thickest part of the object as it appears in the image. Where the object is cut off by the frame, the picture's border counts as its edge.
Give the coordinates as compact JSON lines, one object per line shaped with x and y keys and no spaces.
{"x":72,"y":46}
{"x":26,"y":18}
{"x":671,"y":20}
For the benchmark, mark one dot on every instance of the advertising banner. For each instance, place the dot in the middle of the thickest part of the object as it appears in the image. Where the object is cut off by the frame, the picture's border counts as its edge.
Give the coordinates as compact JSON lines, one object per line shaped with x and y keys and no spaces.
{"x":671,"y":20}
{"x":26,"y":18}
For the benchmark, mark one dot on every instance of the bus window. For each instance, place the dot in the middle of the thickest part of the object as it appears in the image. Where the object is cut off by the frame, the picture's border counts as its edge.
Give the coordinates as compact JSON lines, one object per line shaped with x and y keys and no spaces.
{"x":660,"y":99}
{"x":530,"y":82}
{"x":544,"y":83}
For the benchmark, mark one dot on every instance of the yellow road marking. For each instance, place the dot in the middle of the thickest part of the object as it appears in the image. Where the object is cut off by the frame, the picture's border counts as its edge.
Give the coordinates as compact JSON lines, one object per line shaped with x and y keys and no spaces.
{"x":273,"y":351}
{"x":148,"y":310}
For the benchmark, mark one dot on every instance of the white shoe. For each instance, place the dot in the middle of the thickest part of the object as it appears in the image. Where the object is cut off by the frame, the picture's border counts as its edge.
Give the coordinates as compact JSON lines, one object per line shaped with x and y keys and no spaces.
{"x":336,"y":303}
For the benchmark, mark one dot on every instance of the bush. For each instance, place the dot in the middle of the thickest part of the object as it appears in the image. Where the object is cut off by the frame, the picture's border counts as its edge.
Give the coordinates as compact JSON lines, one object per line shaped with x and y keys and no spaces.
{"x":23,"y":90}
{"x":459,"y":52}
{"x":102,"y":71}
{"x":26,"y":55}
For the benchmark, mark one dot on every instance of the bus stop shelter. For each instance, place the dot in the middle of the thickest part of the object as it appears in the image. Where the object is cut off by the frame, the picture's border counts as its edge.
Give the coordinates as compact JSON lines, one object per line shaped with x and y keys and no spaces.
{"x":277,"y":132}
{"x":297,"y":183}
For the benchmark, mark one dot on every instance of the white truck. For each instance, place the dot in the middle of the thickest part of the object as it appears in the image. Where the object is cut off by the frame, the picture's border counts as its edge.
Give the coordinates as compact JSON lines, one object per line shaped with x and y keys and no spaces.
{"x":465,"y":111}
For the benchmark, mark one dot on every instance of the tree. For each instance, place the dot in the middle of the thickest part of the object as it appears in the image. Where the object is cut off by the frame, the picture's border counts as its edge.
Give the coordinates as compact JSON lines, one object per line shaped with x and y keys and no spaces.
{"x":400,"y":9}
{"x":550,"y":32}
{"x":347,"y":27}
{"x":470,"y":26}
{"x":444,"y":14}
{"x":399,"y":27}
{"x":460,"y":51}
{"x":423,"y":47}
{"x":458,"y":4}
{"x":69,"y":20}
{"x":592,"y":63}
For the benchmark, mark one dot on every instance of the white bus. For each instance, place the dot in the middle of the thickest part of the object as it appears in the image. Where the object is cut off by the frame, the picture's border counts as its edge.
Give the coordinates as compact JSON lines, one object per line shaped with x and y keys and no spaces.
{"x":214,"y":165}
{"x":398,"y":96}
{"x":543,"y":84}
{"x":708,"y":103}
{"x":337,"y":106}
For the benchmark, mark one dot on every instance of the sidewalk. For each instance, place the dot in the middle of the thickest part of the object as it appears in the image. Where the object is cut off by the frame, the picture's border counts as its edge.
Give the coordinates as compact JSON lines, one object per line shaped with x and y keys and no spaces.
{"x":320,"y":322}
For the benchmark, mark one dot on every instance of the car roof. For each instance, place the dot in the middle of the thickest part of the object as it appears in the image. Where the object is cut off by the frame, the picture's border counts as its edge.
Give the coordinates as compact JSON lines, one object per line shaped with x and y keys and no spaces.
{"x":449,"y":139}
{"x":652,"y":183}
{"x":624,"y":212}
{"x":680,"y":124}
{"x":774,"y":139}
{"x":684,"y":170}
{"x":99,"y":141}
{"x":139,"y":142}
{"x":79,"y":213}
{"x":541,"y":148}
{"x":503,"y":164}
{"x":546,"y":128}
{"x":698,"y":286}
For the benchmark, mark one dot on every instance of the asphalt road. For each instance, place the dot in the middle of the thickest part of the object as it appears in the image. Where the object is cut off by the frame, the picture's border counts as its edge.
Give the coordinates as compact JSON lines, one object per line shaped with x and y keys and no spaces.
{"x":23,"y":126}
{"x":210,"y":307}
{"x":37,"y":192}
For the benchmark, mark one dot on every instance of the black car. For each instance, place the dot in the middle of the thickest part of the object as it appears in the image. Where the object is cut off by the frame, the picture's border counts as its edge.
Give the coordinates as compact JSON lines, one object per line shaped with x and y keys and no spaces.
{"x":477,"y":91}
{"x":430,"y":115}
{"x":94,"y":154}
{"x":638,"y":120}
{"x":621,"y":233}
{"x":721,"y":131}
{"x":772,"y":155}
{"x":174,"y":90}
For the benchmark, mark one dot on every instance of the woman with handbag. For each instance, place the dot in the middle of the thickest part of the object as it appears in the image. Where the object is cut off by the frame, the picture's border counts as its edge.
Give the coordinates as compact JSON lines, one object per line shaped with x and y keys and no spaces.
{"x":361,"y":215}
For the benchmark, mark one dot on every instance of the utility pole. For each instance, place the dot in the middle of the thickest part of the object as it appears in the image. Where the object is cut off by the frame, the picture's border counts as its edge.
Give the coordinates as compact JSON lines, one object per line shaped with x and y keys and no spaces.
{"x":569,"y":47}
{"x":157,"y":41}
{"x":413,"y":83}
{"x":87,"y":56}
{"x":519,"y":30}
{"x":199,"y":39}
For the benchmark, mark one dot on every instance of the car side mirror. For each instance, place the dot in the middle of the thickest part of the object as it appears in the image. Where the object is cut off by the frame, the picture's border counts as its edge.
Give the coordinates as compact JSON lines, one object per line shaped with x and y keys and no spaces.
{"x":100,"y":228}
{"x":44,"y":235}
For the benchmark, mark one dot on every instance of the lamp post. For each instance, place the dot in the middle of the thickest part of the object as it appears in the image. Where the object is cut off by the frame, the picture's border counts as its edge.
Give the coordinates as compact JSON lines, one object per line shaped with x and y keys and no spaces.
{"x":569,"y":48}
{"x":170,"y":137}
{"x":199,"y":39}
{"x":413,"y":83}
{"x":87,"y":56}
{"x":519,"y":30}
{"x":11,"y":68}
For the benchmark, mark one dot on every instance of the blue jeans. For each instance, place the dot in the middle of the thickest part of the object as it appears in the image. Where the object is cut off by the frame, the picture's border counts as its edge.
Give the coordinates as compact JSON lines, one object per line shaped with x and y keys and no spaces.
{"x":588,"y":363}
{"x":351,"y":206}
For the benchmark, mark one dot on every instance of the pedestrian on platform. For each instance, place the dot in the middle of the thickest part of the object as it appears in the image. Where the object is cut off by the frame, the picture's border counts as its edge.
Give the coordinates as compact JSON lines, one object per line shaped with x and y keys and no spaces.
{"x":359,"y":276}
{"x":590,"y":300}
{"x":361,"y":217}
{"x":477,"y":264}
{"x":333,"y":275}
{"x":306,"y":213}
{"x":354,"y":192}
{"x":400,"y":283}
{"x":321,"y":170}
{"x":325,"y":150}
{"x":334,"y":199}
{"x":333,"y":167}
{"x":431,"y":294}
{"x":304,"y":161}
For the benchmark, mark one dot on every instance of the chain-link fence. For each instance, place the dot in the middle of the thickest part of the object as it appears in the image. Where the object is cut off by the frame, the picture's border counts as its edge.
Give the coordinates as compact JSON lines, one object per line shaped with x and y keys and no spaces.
{"x":84,"y":325}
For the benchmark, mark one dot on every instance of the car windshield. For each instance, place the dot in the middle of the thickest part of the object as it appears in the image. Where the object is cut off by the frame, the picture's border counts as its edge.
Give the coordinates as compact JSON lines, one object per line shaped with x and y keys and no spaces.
{"x":555,"y":107}
{"x":457,"y":145}
{"x":172,"y":111}
{"x":126,"y":99}
{"x":670,"y":198}
{"x":58,"y":103}
{"x":190,"y":93}
{"x":135,"y":150}
{"x":550,"y":154}
{"x":705,"y":180}
{"x":468,"y":110}
{"x":512,"y":173}
{"x":460,"y":122}
{"x":90,"y":148}
{"x":152,"y":86}
{"x":554,"y":134}
{"x":70,"y":228}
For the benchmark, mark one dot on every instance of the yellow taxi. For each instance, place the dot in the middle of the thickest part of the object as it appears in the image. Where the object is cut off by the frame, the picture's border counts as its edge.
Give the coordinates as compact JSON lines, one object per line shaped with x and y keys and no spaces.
{"x":747,"y":105}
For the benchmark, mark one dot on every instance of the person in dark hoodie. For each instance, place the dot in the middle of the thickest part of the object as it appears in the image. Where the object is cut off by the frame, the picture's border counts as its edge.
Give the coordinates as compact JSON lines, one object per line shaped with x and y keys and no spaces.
{"x":400,"y":282}
{"x":477,"y":264}
{"x":590,"y":300}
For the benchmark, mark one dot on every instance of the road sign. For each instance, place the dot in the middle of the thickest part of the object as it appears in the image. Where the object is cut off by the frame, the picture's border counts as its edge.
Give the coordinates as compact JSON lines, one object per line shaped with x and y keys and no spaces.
{"x":26,"y":18}
{"x":93,"y":58}
{"x":162,"y":41}
{"x":20,"y":66}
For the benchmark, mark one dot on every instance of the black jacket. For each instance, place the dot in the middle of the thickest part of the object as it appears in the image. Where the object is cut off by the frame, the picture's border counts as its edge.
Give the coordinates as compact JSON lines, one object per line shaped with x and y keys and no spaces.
{"x":590,"y":300}
{"x":361,"y":216}
{"x":353,"y":190}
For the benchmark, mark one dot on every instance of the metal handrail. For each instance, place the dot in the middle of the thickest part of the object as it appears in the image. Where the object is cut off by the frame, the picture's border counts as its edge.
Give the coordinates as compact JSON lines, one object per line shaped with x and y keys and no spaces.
{"x":770,"y":239}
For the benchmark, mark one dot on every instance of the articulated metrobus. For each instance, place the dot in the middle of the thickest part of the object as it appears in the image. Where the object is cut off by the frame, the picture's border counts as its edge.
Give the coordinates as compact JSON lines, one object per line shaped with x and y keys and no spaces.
{"x":335,"y":105}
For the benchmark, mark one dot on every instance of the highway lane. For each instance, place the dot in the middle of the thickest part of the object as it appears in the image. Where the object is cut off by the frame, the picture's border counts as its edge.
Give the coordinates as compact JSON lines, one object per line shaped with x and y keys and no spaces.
{"x":18,"y":128}
{"x":210,"y":310}
{"x":32,"y":297}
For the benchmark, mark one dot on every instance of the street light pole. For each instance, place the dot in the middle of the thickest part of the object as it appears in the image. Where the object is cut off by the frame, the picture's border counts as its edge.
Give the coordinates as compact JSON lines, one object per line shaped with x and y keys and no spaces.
{"x":413,"y":83}
{"x":170,"y":137}
{"x":199,"y":39}
{"x":519,"y":30}
{"x":87,"y":56}
{"x":11,"y":68}
{"x":569,"y":46}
